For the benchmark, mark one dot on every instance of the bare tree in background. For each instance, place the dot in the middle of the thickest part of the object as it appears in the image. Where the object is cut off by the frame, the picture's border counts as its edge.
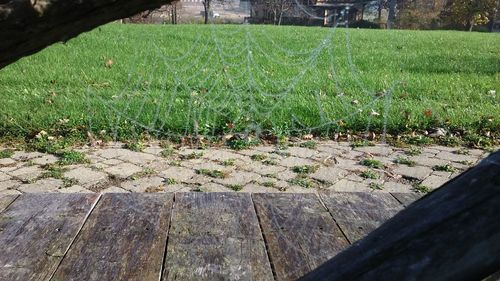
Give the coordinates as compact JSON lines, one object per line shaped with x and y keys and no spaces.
{"x":207,"y":6}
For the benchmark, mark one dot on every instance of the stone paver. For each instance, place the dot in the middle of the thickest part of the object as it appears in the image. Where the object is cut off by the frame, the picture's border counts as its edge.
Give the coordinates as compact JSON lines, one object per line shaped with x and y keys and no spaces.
{"x":87,"y":177}
{"x":4,"y":185}
{"x":114,"y":169}
{"x":144,"y":184}
{"x":123,"y":170}
{"x":46,"y":159}
{"x":27,"y":173}
{"x":43,"y":185}
{"x":74,"y":189}
{"x":417,"y":172}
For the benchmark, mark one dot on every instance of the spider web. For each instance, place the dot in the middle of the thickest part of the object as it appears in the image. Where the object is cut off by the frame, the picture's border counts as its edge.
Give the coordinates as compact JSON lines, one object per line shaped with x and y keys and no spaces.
{"x":213,"y":88}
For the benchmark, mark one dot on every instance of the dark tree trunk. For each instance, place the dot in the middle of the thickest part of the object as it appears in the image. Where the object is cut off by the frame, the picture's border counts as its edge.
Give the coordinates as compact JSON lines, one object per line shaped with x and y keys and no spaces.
{"x":392,"y":14}
{"x":28,"y":26}
{"x":206,"y":7}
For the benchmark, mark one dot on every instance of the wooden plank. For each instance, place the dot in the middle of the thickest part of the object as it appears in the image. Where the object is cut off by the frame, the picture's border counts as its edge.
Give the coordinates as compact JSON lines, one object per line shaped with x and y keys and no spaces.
{"x":359,"y":213}
{"x":6,"y":200}
{"x":215,"y":236}
{"x":407,"y":198}
{"x":37,"y":230}
{"x":123,"y":239}
{"x":300,"y":233}
{"x":453,"y":233}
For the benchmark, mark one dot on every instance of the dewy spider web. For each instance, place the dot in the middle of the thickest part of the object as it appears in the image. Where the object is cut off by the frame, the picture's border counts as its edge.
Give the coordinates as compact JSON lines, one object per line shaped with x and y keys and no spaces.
{"x":166,"y":92}
{"x":195,"y":77}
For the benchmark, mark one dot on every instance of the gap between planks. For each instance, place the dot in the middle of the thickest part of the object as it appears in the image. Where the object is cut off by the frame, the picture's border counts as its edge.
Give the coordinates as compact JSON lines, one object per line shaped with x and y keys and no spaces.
{"x":77,"y":234}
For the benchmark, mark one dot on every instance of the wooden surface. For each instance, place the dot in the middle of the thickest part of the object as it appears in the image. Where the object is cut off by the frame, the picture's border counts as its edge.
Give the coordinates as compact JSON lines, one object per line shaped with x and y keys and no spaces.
{"x":299,"y":232}
{"x":5,"y":201}
{"x":123,"y":239}
{"x":359,"y":213}
{"x":452,"y":233}
{"x":37,"y":230}
{"x":215,"y":236}
{"x":200,"y":236}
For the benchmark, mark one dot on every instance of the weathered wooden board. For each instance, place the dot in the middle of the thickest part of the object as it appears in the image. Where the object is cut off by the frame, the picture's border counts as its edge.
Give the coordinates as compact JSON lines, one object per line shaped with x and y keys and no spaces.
{"x":123,"y":239}
{"x":37,"y":230}
{"x":407,"y":198}
{"x":299,"y":232}
{"x":359,"y":213}
{"x":6,"y":200}
{"x":215,"y":236}
{"x":453,"y":233}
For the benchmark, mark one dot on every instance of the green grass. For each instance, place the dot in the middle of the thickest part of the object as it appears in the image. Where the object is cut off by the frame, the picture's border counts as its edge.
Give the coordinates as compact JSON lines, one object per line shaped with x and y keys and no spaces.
{"x":419,"y":188}
{"x":369,"y":174}
{"x":194,"y":79}
{"x":444,"y":168}
{"x":305,"y":169}
{"x":258,"y":157}
{"x":71,"y":157}
{"x":212,"y":173}
{"x":372,"y":163}
{"x":405,"y":161}
{"x":6,"y":153}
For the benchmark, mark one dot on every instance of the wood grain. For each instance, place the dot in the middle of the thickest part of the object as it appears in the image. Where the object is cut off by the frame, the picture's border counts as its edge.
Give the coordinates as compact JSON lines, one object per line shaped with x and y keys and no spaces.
{"x":453,"y":233}
{"x":299,"y":232}
{"x":123,"y":239}
{"x":215,"y":236}
{"x":6,"y":200}
{"x":37,"y":230}
{"x":407,"y":198}
{"x":359,"y":213}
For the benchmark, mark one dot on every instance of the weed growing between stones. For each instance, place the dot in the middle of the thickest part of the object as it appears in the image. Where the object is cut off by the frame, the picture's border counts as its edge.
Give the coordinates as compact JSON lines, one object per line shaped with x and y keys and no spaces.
{"x":305,"y":169}
{"x":372,"y":163}
{"x":444,"y":168}
{"x":369,"y":174}
{"x":6,"y":153}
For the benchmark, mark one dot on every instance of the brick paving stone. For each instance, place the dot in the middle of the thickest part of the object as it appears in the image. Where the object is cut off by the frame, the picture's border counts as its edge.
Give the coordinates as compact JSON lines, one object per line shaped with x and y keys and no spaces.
{"x":143,"y":184}
{"x":9,"y":184}
{"x":25,"y":156}
{"x":434,"y":181}
{"x":4,"y":177}
{"x":7,"y":162}
{"x":301,"y":152}
{"x":41,"y":186}
{"x":429,"y":161}
{"x":74,"y":189}
{"x":214,"y":187}
{"x":382,"y":150}
{"x":112,"y":162}
{"x":255,"y":188}
{"x":114,"y":189}
{"x":296,"y":161}
{"x":338,"y":166}
{"x":46,"y":159}
{"x":238,"y":178}
{"x":445,"y":155}
{"x":263,"y":169}
{"x":139,"y":157}
{"x":87,"y":177}
{"x":123,"y":170}
{"x":417,"y":172}
{"x":179,"y":174}
{"x":350,"y":186}
{"x":328,"y":174}
{"x":27,"y":173}
{"x":109,"y":153}
{"x":10,"y":192}
{"x":398,"y":187}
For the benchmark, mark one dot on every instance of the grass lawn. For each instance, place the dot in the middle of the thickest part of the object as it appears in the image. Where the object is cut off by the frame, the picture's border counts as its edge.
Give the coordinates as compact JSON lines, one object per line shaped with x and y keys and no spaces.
{"x":211,"y":80}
